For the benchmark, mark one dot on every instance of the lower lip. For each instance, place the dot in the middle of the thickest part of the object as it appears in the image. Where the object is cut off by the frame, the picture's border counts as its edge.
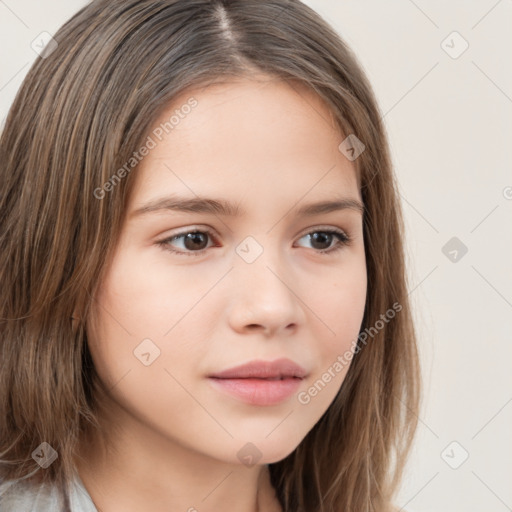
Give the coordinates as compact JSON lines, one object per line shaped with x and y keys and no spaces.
{"x":258,"y":391}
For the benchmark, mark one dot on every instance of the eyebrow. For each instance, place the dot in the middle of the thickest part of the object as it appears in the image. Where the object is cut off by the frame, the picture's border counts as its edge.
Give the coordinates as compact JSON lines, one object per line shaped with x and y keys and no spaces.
{"x":226,"y":208}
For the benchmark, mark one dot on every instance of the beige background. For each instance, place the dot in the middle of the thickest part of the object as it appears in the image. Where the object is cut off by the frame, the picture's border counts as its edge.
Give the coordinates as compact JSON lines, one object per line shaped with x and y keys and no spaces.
{"x":449,"y":122}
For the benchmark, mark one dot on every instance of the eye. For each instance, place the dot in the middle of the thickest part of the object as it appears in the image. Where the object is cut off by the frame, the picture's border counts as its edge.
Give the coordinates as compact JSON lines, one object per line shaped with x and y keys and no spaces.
{"x":195,"y":242}
{"x":323,"y":239}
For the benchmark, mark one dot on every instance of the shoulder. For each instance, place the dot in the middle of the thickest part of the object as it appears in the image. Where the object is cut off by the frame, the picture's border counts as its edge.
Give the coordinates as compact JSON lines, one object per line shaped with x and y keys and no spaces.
{"x":22,"y":496}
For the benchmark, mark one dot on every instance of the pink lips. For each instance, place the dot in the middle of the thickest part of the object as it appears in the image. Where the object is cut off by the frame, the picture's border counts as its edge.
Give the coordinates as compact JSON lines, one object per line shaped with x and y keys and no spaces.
{"x":260,"y":382}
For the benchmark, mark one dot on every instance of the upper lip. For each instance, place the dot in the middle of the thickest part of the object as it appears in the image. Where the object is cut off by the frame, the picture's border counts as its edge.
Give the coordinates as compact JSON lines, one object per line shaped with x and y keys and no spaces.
{"x":258,"y":369}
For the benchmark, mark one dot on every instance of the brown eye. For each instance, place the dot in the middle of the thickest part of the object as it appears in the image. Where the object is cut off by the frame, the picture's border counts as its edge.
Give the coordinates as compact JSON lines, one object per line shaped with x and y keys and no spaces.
{"x":195,"y":241}
{"x":322,"y":240}
{"x":189,"y":243}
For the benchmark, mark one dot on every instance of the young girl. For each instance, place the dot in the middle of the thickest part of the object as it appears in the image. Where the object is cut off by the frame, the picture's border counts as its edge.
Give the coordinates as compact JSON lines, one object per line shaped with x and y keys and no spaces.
{"x":204,"y":304}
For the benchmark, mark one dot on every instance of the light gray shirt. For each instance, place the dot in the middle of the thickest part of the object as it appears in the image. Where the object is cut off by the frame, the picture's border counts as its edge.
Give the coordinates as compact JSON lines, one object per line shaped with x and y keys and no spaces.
{"x":18,"y":496}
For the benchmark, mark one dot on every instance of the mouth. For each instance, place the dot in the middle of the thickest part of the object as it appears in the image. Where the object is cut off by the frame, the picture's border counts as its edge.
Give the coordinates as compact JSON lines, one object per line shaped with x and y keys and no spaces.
{"x":258,"y":391}
{"x":261,"y":383}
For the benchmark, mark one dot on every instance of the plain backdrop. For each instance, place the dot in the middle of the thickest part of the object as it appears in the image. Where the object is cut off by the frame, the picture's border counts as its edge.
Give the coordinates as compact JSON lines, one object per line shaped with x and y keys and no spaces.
{"x":443,"y":78}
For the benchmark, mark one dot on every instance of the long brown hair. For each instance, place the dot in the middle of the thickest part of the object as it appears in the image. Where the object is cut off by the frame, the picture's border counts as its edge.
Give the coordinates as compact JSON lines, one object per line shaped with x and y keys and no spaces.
{"x":85,"y":106}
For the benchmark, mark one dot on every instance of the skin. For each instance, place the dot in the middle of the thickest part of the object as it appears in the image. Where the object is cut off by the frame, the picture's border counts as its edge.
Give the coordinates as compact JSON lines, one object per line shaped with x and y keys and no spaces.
{"x":174,"y":439}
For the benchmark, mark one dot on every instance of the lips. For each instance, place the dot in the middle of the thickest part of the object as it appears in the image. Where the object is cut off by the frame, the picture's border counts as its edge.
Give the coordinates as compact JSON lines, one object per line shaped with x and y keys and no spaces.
{"x":273,"y":370}
{"x":260,"y":382}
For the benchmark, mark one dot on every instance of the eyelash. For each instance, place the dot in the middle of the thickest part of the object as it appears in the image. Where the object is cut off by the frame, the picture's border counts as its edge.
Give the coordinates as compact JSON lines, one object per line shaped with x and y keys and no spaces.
{"x":343,"y":240}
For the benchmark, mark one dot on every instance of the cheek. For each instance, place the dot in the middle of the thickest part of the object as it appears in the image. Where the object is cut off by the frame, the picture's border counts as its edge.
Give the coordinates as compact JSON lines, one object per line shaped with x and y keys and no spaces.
{"x":147,"y":295}
{"x":142,"y":297}
{"x":341,"y":307}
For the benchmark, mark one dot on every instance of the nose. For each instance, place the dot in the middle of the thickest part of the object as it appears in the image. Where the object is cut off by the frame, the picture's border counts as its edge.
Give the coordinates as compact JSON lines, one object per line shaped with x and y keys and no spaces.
{"x":263,"y":298}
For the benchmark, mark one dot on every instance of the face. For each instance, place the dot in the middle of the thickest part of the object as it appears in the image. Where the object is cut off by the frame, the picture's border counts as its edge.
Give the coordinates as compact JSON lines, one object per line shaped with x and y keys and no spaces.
{"x":196,"y":287}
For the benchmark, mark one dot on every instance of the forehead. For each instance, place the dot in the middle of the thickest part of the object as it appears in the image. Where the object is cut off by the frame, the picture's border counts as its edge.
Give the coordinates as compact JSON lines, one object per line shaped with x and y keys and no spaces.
{"x":257,"y":135}
{"x":258,"y":102}
{"x":253,"y":90}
